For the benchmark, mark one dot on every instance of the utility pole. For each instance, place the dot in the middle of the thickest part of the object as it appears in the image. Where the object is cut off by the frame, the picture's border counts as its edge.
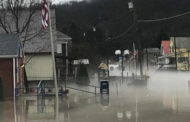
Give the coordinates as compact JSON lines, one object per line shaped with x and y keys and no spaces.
{"x":147,"y":59}
{"x":122,"y":67}
{"x":134,"y":54}
{"x":53,"y":63}
{"x":132,"y":8}
{"x":188,"y":59}
{"x":175,"y":52}
{"x":53,"y":53}
{"x":67,"y":71}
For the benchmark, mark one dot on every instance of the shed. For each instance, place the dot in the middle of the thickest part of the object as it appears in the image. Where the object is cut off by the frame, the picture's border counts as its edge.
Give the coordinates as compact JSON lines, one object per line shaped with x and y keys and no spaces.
{"x":38,"y":61}
{"x":11,"y":72}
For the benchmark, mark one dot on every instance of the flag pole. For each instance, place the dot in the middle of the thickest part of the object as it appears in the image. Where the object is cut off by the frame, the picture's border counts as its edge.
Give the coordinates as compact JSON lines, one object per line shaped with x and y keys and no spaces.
{"x":53,"y":54}
{"x":135,"y":53}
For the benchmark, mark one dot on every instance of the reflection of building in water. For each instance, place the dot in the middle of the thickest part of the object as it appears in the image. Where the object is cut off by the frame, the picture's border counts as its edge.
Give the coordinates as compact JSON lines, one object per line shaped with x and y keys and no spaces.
{"x":6,"y":111}
{"x":189,"y":86}
{"x":29,"y":110}
{"x":180,"y":104}
{"x":178,"y":100}
{"x":41,"y":104}
{"x":21,"y":110}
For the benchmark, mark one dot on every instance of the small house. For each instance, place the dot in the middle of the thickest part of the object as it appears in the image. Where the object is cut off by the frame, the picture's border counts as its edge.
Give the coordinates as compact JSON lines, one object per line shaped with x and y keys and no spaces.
{"x":38,"y":61}
{"x":11,"y":72}
{"x":182,"y":51}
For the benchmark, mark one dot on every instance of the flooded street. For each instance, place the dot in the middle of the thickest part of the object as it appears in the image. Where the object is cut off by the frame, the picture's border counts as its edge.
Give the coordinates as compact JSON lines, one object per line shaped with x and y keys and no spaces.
{"x":165,"y":98}
{"x":94,"y":61}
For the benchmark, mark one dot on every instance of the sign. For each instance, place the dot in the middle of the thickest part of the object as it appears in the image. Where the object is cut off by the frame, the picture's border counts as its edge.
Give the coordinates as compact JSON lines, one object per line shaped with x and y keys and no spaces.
{"x":81,"y":61}
{"x":59,"y":48}
{"x":130,"y":5}
{"x":118,"y":52}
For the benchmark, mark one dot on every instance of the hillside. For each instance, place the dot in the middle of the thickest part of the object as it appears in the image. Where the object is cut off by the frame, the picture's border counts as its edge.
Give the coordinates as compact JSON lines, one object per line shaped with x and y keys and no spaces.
{"x":112,"y":18}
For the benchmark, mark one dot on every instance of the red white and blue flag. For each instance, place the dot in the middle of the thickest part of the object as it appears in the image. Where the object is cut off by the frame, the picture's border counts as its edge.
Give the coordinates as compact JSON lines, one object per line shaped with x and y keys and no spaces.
{"x":45,"y":14}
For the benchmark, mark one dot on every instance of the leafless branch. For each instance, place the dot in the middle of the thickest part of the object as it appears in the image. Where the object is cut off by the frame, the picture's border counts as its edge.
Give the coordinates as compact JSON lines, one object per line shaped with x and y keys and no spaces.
{"x":16,"y":17}
{"x":28,"y":37}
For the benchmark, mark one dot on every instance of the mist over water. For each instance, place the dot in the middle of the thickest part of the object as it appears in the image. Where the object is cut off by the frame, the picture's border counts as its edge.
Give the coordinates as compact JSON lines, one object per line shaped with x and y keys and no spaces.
{"x":164,"y":97}
{"x":169,"y":81}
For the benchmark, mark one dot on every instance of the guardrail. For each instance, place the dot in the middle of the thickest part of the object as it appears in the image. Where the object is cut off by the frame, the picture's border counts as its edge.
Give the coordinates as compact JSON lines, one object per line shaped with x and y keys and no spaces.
{"x":42,"y":90}
{"x":82,"y":90}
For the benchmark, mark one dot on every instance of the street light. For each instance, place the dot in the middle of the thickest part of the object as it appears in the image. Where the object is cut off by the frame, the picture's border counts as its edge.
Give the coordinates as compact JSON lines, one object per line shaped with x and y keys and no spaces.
{"x":118,"y":52}
{"x":126,"y":52}
{"x":121,"y":57}
{"x":94,"y":29}
{"x":130,"y":5}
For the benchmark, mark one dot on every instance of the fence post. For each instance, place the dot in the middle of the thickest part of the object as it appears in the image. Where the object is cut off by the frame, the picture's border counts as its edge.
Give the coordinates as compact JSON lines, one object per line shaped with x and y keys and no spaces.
{"x":37,"y":91}
{"x":95,"y":90}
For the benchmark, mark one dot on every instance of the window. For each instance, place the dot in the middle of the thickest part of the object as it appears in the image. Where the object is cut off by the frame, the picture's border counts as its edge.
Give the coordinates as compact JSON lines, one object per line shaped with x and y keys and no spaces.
{"x":182,"y":59}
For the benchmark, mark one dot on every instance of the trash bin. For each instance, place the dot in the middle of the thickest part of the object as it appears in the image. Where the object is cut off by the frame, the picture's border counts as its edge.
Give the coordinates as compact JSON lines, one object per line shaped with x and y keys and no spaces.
{"x":1,"y":90}
{"x":104,"y":87}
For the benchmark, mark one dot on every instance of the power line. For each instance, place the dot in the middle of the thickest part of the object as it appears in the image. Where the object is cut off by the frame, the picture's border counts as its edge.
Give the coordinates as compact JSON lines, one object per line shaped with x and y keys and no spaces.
{"x":163,"y":19}
{"x":121,"y":35}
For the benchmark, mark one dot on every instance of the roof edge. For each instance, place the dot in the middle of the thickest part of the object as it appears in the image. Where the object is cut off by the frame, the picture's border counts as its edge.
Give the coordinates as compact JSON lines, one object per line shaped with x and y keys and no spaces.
{"x":9,"y":56}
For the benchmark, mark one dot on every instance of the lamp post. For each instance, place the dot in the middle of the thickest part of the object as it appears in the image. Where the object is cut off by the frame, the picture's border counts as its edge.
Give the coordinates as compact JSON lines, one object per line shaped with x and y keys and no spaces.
{"x":131,"y":6}
{"x":121,"y":57}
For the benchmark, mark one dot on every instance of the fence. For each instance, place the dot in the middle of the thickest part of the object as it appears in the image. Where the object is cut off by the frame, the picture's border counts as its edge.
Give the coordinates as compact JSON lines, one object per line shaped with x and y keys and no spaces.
{"x":43,"y":90}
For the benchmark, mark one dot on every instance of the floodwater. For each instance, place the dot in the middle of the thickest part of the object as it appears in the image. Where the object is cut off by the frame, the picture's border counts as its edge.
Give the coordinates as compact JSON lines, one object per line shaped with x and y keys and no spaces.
{"x":165,"y":98}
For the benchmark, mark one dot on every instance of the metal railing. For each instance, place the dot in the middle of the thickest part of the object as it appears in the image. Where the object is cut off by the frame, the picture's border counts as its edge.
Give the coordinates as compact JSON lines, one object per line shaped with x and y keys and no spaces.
{"x":87,"y":91}
{"x":43,"y":90}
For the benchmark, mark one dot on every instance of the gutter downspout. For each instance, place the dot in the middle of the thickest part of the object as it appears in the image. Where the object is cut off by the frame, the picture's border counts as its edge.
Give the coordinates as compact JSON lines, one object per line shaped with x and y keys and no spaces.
{"x":17,"y":71}
{"x":175,"y":52}
{"x":14,"y":78}
{"x":14,"y":86}
{"x":67,"y":71}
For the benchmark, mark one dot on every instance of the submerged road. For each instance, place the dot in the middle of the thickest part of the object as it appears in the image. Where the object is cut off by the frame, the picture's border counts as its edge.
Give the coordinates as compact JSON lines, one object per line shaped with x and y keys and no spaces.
{"x":165,"y":98}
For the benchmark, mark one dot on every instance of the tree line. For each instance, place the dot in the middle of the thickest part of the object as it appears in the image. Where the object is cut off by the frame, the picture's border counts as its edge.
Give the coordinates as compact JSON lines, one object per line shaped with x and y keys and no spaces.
{"x":98,"y":22}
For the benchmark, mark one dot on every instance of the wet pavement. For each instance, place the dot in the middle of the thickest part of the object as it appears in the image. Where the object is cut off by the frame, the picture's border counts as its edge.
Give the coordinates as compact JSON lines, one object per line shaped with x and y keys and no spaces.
{"x":165,"y":98}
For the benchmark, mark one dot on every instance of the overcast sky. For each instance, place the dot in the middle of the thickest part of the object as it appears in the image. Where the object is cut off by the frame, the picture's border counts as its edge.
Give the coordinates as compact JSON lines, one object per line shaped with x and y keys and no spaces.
{"x":62,"y":1}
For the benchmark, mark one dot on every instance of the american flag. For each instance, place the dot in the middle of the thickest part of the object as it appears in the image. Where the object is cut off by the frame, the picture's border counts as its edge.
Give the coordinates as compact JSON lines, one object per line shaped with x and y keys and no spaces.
{"x":45,"y":15}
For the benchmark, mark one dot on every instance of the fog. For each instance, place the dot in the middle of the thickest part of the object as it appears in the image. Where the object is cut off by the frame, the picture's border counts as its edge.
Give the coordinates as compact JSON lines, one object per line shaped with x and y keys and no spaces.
{"x":163,"y":97}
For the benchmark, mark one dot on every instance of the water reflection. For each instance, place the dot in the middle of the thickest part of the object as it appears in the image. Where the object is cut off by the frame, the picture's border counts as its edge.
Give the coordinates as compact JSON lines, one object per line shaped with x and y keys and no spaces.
{"x":104,"y":98}
{"x":35,"y":109}
{"x":40,"y":104}
{"x":166,"y":97}
{"x":128,"y":114}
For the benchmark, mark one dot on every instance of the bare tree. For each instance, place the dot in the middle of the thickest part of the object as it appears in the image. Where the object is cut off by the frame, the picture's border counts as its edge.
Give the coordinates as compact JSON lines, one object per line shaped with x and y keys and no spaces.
{"x":23,"y":17}
{"x":16,"y":17}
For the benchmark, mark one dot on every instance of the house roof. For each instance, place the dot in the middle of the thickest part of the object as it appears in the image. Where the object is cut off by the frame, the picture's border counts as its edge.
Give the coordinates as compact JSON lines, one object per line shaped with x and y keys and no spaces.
{"x":9,"y":45}
{"x":41,"y":43}
{"x":61,"y":35}
{"x":40,"y":39}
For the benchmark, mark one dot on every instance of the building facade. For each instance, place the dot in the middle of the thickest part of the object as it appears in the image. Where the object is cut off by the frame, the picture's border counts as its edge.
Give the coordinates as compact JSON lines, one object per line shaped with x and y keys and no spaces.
{"x":11,"y":70}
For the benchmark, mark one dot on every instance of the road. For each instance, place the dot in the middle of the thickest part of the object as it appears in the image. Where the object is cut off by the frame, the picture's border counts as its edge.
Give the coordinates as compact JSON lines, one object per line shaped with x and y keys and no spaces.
{"x":165,"y":98}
